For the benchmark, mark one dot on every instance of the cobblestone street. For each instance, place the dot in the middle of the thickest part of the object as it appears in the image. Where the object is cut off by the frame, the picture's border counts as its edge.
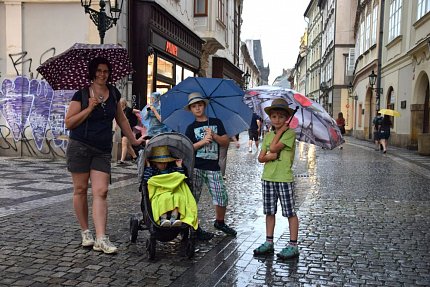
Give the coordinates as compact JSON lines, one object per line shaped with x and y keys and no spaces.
{"x":364,"y":221}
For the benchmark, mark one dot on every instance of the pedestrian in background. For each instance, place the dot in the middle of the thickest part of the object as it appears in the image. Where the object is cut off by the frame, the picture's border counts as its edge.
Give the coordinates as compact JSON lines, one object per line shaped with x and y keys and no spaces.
{"x":207,"y":136}
{"x":376,"y":124}
{"x":340,"y":122}
{"x":254,"y":131}
{"x":151,"y":117}
{"x":384,"y":132}
{"x":126,"y":148}
{"x":88,"y":154}
{"x":277,"y":153}
{"x":223,"y":156}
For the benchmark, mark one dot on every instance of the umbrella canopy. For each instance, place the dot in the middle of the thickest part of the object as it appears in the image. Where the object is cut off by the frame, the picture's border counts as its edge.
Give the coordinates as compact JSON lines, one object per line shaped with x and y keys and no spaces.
{"x":225,"y":103}
{"x":311,"y":122}
{"x":69,"y":70}
{"x":389,"y":112}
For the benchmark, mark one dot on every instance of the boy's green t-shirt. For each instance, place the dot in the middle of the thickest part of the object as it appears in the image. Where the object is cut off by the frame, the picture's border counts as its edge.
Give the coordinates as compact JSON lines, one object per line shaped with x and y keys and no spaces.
{"x":280,"y":170}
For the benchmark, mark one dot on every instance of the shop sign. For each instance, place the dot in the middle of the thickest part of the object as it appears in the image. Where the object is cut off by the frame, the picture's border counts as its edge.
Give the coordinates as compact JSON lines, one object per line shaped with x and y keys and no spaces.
{"x":171,"y":48}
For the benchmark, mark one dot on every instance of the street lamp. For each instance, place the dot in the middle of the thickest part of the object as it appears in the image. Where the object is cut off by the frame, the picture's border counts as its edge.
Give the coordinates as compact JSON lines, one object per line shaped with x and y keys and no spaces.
{"x":246,"y":78}
{"x":350,"y":88}
{"x":372,"y":81}
{"x":100,"y":19}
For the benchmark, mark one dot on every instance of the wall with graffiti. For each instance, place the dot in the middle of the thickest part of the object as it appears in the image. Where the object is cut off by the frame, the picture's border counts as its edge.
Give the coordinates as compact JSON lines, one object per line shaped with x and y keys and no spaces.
{"x":32,"y":118}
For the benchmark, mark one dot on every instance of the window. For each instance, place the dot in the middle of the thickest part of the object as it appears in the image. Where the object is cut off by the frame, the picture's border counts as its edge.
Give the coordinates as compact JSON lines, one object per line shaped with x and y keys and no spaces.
{"x":164,"y":68}
{"x":423,"y":8}
{"x":221,"y":11}
{"x":200,"y":8}
{"x":362,"y":37}
{"x":395,"y":19}
{"x":367,"y":33}
{"x":375,"y":24}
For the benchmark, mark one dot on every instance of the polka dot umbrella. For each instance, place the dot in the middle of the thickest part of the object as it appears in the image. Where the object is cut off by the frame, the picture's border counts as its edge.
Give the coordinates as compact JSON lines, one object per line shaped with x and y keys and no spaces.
{"x":69,"y":70}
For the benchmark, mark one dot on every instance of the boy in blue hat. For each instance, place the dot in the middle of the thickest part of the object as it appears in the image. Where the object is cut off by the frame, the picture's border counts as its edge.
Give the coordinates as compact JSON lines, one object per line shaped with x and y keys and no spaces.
{"x":208,"y":135}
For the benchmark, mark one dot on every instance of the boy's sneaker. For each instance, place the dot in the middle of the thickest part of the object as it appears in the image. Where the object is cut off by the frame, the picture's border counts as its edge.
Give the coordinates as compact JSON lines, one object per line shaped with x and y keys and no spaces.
{"x":165,"y":223}
{"x":289,"y":252}
{"x":104,"y":244}
{"x":203,"y":235}
{"x":175,"y":222}
{"x":265,"y":248}
{"x":87,"y":238}
{"x":250,"y":149}
{"x":225,"y":228}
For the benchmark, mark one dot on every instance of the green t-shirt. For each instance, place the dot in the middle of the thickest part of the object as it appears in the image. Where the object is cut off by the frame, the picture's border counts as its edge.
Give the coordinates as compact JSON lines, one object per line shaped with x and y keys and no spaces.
{"x":279,"y":170}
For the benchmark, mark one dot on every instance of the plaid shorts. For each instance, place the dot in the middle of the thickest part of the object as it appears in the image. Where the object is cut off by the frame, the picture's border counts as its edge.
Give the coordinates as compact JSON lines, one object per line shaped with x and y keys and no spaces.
{"x":215,"y":183}
{"x":282,"y":190}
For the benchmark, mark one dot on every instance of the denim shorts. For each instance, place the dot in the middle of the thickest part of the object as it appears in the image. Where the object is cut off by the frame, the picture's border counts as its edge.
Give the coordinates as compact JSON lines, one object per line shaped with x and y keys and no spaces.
{"x":81,"y":158}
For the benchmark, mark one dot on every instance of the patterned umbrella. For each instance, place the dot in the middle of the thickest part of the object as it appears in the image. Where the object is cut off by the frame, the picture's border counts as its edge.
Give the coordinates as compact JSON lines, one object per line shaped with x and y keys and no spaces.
{"x":310,"y":121}
{"x":69,"y":70}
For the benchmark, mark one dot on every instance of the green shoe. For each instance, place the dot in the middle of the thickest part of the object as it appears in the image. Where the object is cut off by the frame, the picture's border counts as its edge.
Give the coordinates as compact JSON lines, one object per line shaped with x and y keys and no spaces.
{"x":265,"y":248}
{"x":289,"y":252}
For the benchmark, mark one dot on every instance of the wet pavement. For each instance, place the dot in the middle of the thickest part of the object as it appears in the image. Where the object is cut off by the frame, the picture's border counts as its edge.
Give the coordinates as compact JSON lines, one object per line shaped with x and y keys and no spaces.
{"x":364,"y":221}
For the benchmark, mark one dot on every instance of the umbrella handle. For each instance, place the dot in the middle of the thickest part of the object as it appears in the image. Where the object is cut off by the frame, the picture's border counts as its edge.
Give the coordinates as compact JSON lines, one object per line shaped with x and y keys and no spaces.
{"x":295,"y":110}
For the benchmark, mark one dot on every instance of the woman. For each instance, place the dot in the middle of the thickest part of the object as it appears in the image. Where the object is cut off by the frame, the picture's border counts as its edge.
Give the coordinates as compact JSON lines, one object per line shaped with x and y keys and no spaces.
{"x":132,"y":118}
{"x":384,"y":132}
{"x":340,"y":121}
{"x":89,"y":150}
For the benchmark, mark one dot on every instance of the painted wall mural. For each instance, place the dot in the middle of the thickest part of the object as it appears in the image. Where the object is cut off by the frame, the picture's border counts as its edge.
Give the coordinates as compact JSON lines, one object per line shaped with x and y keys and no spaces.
{"x":32,"y":117}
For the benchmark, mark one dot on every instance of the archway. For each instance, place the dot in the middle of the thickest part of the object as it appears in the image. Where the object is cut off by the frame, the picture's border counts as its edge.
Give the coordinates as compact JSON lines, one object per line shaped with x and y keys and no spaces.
{"x":420,"y":111}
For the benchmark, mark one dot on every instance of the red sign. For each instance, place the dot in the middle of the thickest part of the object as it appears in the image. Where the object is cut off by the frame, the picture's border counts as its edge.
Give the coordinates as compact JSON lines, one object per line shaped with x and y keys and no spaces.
{"x":171,"y":48}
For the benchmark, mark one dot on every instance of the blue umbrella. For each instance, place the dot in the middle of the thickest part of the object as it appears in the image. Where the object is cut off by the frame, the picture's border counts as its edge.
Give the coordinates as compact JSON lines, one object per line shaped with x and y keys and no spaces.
{"x":225,"y":103}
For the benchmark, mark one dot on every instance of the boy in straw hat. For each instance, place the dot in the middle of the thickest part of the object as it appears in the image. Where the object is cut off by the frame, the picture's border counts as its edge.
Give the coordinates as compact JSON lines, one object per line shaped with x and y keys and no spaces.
{"x":167,"y":190}
{"x":277,"y":154}
{"x":208,"y":135}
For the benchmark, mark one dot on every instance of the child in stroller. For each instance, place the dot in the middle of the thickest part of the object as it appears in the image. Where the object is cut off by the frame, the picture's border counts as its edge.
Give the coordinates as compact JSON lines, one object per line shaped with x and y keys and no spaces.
{"x":170,"y":146}
{"x":164,"y":193}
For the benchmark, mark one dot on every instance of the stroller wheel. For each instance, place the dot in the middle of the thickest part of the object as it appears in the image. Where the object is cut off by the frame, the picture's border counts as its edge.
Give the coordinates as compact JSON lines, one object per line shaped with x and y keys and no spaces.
{"x":134,"y":228}
{"x":150,"y":247}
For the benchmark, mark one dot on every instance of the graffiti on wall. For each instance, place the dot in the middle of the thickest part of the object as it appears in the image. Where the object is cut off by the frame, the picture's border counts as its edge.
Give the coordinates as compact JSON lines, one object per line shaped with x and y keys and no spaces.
{"x":30,"y":111}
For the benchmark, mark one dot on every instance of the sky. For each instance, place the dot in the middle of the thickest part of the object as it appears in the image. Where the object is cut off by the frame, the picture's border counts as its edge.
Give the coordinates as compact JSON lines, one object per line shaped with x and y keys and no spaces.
{"x":279,"y":24}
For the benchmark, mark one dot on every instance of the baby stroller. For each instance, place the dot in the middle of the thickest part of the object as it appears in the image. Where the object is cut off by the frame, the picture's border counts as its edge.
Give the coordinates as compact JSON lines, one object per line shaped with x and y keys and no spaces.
{"x":180,"y":147}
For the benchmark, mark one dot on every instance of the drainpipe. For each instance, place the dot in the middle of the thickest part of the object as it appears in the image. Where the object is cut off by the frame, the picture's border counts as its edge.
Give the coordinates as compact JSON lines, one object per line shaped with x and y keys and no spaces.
{"x":380,"y":42}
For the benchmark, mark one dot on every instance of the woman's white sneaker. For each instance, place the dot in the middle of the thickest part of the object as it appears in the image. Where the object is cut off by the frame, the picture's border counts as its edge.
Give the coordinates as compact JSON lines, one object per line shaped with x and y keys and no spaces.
{"x":87,"y":238}
{"x":104,"y":244}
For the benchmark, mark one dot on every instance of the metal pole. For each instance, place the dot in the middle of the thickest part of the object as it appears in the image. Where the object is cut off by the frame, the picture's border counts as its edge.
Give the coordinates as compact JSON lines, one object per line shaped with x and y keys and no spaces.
{"x":380,"y":43}
{"x":102,"y":21}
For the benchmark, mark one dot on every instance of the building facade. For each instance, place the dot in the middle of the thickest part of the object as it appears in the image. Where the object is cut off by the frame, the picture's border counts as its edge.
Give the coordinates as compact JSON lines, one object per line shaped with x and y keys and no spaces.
{"x":392,"y":40}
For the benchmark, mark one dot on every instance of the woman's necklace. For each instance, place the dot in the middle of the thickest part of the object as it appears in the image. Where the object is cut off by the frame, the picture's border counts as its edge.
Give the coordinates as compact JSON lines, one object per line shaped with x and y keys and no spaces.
{"x":99,"y":99}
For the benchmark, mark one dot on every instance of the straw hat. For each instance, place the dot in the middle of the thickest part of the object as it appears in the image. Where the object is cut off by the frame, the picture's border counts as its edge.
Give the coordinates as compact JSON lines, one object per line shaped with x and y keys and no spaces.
{"x":160,"y":154}
{"x":279,"y":104}
{"x":194,"y":98}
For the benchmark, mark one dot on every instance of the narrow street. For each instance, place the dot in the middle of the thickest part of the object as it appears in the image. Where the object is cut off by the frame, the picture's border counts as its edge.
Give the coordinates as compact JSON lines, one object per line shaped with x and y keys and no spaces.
{"x":364,"y":221}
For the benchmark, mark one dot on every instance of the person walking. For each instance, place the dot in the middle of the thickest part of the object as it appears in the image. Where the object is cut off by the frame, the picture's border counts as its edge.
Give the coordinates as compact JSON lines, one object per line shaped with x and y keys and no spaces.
{"x":88,"y":155}
{"x":277,"y":153}
{"x":384,"y":132}
{"x":208,"y":135}
{"x":223,"y":156}
{"x":151,"y":117}
{"x":132,"y":118}
{"x":376,"y":124}
{"x":254,"y":131}
{"x":340,"y":122}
